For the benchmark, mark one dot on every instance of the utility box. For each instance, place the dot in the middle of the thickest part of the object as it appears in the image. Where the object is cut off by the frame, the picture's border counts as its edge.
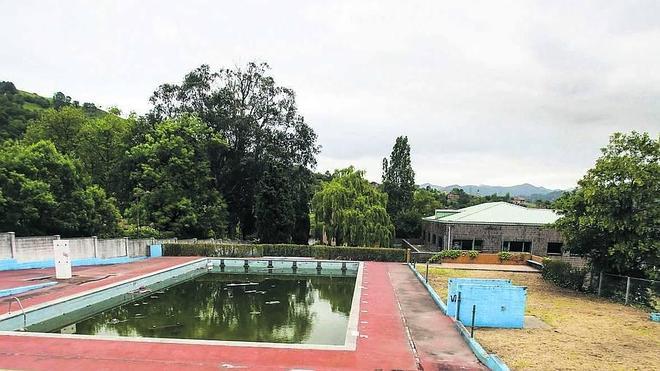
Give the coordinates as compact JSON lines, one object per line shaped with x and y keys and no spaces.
{"x":62,"y":254}
{"x":155,"y":251}
{"x":496,"y":303}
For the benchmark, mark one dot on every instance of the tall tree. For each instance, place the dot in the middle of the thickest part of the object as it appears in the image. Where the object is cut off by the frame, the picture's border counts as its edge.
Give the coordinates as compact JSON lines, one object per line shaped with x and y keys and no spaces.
{"x":613,"y":217}
{"x":260,"y":122}
{"x":350,"y":210}
{"x":45,"y":192}
{"x":174,"y":189}
{"x":399,"y":184}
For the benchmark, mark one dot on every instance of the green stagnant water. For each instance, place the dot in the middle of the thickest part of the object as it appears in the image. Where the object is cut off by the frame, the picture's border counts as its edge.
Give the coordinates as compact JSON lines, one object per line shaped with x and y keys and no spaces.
{"x":215,"y":306}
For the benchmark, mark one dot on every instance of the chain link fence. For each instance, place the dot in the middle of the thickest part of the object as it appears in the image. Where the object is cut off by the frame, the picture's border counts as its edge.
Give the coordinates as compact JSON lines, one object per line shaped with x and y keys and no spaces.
{"x":627,"y":290}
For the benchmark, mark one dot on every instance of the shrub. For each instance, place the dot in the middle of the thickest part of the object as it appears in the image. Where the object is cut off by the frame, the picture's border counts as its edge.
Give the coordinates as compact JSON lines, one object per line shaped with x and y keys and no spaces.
{"x":260,"y":250}
{"x":448,"y":254}
{"x":504,"y":255}
{"x":563,"y":274}
{"x":473,"y":254}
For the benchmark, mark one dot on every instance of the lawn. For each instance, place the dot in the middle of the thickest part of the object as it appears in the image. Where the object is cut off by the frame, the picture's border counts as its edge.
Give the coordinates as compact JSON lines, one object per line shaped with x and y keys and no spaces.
{"x":587,"y":332}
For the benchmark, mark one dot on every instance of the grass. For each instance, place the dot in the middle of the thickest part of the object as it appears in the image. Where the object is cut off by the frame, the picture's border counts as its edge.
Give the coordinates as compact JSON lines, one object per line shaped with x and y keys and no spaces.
{"x":586,"y":332}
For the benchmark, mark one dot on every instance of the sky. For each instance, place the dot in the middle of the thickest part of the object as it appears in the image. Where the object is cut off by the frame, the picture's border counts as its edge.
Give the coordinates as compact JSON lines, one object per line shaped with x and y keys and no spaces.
{"x":492,"y":92}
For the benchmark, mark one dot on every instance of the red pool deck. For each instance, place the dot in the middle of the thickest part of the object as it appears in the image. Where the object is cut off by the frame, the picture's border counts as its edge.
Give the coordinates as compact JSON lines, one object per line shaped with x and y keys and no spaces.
{"x":383,"y":343}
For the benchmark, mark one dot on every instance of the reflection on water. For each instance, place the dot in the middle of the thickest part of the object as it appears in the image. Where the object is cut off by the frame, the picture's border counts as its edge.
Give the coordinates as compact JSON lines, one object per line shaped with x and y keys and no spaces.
{"x":282,"y":309}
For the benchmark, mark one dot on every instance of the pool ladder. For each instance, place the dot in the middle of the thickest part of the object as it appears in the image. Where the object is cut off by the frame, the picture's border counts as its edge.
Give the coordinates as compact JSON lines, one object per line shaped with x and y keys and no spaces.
{"x":22,"y":311}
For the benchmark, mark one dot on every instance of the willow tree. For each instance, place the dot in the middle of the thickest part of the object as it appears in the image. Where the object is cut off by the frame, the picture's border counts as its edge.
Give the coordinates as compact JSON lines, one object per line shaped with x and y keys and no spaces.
{"x":351,"y":211}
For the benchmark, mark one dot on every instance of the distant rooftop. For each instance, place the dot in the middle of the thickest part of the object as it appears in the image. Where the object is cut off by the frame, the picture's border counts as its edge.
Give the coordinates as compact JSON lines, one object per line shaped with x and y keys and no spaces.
{"x":495,"y":213}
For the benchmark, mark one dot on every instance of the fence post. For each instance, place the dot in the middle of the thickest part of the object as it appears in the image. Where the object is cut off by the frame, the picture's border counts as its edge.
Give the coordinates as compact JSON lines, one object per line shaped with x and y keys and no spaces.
{"x":474,"y":311}
{"x":408,"y":256}
{"x":600,"y":282}
{"x":627,"y":288}
{"x":427,"y":271}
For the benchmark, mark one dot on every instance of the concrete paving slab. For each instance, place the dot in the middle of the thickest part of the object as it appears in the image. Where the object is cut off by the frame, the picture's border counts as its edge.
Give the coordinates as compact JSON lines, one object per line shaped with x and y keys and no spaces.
{"x":439,"y":344}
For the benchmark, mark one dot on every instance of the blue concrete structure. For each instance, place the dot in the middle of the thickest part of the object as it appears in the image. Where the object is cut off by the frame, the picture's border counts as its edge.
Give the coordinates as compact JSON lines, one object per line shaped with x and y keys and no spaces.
{"x":497,"y":303}
{"x":155,"y":251}
{"x":452,"y":289}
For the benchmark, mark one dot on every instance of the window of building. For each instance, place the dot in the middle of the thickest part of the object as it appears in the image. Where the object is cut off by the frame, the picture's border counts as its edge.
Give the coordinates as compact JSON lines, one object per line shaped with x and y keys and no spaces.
{"x":467,"y":244}
{"x":434,"y":238}
{"x":554,"y":248}
{"x":424,"y":236}
{"x":517,"y":246}
{"x":439,"y":241}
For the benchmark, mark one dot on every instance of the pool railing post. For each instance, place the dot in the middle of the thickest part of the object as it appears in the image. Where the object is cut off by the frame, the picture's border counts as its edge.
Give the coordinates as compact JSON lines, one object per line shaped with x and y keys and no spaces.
{"x":474,"y":310}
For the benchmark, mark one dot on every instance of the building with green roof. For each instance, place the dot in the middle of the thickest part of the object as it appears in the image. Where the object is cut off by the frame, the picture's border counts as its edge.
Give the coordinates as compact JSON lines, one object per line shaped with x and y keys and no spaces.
{"x":494,"y":227}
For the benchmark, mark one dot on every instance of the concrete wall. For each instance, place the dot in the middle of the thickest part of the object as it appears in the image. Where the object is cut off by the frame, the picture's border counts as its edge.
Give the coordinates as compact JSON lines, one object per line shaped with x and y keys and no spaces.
{"x":34,"y":248}
{"x":37,"y":251}
{"x":491,"y":235}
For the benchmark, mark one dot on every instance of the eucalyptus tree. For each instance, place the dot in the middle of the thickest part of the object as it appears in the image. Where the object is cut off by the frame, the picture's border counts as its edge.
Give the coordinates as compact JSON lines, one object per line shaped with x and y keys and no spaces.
{"x":351,"y":211}
{"x":263,"y":130}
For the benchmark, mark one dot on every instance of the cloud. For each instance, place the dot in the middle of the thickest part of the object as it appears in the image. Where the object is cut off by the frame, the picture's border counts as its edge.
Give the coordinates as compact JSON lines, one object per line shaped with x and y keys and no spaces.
{"x":488,"y":92}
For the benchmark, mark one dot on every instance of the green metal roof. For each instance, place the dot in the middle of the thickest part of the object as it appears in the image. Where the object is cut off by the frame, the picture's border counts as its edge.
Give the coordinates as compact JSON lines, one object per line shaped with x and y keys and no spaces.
{"x":495,"y":213}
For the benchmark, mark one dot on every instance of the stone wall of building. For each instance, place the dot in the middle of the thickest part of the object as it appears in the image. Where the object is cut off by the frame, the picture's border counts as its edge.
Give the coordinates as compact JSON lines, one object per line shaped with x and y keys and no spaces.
{"x":491,"y":235}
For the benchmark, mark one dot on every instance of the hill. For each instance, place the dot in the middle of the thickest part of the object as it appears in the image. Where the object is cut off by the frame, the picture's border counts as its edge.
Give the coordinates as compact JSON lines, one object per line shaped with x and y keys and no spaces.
{"x":18,"y":107}
{"x":526,"y":190}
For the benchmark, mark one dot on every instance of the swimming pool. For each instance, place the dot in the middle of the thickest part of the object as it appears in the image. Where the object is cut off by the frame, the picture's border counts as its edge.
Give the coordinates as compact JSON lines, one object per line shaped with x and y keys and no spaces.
{"x":261,"y":302}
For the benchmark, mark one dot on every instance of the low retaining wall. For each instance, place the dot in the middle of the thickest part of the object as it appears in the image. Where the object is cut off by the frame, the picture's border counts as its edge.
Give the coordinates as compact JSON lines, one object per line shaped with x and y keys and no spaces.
{"x":37,"y":251}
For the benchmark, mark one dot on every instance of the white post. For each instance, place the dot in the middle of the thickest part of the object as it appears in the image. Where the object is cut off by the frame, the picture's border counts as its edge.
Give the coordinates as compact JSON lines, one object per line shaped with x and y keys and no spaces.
{"x":95,"y":241}
{"x":62,"y":254}
{"x":627,"y":289}
{"x":126,"y":245}
{"x":12,"y":244}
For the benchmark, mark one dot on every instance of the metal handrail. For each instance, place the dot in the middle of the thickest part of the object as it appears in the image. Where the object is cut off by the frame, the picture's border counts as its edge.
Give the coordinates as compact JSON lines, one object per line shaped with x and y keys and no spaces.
{"x":22,"y":310}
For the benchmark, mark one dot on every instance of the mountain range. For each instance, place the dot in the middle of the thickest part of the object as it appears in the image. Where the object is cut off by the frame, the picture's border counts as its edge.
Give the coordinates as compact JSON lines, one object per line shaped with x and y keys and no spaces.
{"x":529,"y":191}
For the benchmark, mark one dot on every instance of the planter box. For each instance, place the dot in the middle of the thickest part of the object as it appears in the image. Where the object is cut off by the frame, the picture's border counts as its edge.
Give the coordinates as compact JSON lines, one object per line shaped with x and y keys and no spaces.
{"x":490,"y":259}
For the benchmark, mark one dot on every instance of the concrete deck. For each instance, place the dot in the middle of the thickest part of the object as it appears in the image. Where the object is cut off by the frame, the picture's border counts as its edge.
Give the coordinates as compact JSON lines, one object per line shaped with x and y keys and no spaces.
{"x":438,"y":343}
{"x":383,"y":342}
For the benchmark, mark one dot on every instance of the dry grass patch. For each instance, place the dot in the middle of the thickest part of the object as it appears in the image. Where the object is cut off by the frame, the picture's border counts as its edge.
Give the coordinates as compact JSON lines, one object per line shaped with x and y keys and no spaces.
{"x":587,"y":333}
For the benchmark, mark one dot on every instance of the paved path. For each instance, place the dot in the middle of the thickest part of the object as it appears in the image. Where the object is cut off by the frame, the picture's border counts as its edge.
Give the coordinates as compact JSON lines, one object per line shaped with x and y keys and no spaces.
{"x":488,"y":267}
{"x":439,"y":345}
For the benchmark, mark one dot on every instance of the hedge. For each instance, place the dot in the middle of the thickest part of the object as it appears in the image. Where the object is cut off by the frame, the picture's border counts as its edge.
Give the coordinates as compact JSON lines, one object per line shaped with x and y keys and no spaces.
{"x":563,"y":274}
{"x":259,"y":250}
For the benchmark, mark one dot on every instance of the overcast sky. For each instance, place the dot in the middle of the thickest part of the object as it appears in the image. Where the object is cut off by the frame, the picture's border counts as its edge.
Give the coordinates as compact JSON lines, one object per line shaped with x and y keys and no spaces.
{"x":492,"y":92}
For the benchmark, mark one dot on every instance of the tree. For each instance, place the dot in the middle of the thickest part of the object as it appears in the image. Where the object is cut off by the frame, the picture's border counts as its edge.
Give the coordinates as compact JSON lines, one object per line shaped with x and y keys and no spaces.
{"x":172,"y":183}
{"x":351,"y":211}
{"x":60,"y":100}
{"x":44,"y":192}
{"x":258,"y":119}
{"x":613,"y":216}
{"x":399,"y":184}
{"x":62,"y":127}
{"x":275,"y":219}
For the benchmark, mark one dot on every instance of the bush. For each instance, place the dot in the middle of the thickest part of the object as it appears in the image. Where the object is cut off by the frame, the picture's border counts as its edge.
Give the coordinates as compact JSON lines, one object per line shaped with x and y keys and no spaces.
{"x":563,"y":274}
{"x":283,"y":250}
{"x":505,"y":255}
{"x":445,"y":254}
{"x":473,"y":254}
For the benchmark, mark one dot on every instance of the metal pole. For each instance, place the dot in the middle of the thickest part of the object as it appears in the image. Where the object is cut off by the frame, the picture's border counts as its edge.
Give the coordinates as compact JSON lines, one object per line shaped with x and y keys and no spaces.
{"x":474,"y":310}
{"x":627,"y":288}
{"x":427,"y":271}
{"x":458,"y":307}
{"x":600,"y":282}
